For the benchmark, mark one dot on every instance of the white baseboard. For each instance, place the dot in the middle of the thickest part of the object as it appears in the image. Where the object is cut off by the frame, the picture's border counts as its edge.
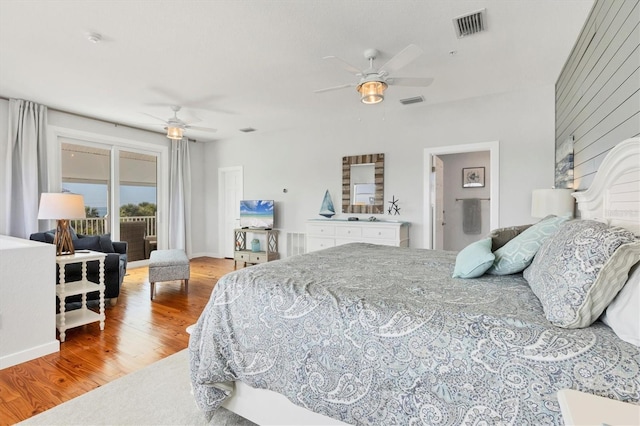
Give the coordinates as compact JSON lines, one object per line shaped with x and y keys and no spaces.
{"x":29,"y":354}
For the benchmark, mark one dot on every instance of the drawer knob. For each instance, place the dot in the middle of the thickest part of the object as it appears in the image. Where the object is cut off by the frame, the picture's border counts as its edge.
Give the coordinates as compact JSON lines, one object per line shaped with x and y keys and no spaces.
{"x":379,"y":233}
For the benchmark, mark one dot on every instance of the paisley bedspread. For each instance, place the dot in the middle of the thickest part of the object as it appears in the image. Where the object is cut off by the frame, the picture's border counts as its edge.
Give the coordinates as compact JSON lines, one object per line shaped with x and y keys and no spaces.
{"x":377,"y":335}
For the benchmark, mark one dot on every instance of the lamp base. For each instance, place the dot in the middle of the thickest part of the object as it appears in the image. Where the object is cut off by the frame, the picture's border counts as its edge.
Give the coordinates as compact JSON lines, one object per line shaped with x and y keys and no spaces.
{"x":62,"y":240}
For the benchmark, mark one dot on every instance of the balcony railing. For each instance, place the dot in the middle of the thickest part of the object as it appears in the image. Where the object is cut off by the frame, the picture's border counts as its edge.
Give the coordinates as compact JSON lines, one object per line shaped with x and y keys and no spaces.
{"x":100,"y":225}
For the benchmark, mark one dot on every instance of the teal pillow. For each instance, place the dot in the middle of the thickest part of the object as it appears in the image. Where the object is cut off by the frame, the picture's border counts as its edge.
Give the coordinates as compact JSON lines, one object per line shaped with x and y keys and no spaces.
{"x":519,"y":252}
{"x":474,"y":260}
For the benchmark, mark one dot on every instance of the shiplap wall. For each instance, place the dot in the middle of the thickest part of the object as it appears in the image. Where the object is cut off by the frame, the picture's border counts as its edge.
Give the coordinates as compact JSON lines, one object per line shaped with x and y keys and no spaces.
{"x":598,"y":91}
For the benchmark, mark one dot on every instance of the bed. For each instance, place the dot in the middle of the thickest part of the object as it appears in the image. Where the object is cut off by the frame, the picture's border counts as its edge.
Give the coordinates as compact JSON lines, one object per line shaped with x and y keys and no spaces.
{"x":315,"y":339}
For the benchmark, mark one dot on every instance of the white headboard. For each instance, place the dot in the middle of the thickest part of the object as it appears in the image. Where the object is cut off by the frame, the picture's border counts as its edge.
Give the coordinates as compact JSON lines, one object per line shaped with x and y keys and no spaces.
{"x":614,"y":195}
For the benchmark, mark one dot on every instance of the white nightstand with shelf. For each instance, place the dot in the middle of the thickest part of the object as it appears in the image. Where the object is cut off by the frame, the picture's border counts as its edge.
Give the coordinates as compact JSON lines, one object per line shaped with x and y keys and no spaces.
{"x":579,"y":408}
{"x":244,"y":254}
{"x":66,"y":320}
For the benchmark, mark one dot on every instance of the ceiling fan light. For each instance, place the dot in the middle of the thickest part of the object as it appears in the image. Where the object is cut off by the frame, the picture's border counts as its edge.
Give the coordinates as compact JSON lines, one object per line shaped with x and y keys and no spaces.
{"x":372,"y":91}
{"x":174,"y":133}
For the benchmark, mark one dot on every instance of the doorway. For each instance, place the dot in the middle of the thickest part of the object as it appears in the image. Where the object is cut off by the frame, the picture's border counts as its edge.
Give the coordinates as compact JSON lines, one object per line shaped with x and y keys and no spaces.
{"x":230,"y":192}
{"x":439,"y":182}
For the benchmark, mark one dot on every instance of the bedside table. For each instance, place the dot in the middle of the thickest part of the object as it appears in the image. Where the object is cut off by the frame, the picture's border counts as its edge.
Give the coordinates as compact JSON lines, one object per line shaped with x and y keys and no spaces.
{"x":66,"y":320}
{"x":579,"y":408}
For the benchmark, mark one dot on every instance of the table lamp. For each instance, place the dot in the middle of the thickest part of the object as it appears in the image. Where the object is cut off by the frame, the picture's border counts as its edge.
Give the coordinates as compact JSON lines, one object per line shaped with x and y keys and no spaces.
{"x":62,"y":207}
{"x":554,"y":201}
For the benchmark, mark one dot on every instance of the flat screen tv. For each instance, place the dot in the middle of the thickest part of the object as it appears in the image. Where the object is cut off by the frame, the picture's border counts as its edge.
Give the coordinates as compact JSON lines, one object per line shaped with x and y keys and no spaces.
{"x":256,"y":214}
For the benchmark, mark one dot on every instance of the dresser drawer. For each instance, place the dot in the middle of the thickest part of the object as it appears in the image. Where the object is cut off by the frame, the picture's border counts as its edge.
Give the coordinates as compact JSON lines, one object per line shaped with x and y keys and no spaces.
{"x":380,"y":232}
{"x":321,"y":230}
{"x":319,"y":243}
{"x":349,"y":231}
{"x":257,"y":257}
{"x":242,"y":256}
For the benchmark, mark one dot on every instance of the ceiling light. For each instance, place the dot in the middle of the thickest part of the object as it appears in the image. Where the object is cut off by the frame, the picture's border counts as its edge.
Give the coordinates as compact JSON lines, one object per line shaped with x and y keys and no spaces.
{"x":175,"y":133}
{"x":372,"y":91}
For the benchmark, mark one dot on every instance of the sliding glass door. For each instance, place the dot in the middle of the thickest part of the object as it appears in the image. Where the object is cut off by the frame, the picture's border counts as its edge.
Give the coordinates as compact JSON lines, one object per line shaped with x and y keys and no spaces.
{"x":120,"y":191}
{"x":138,"y":202}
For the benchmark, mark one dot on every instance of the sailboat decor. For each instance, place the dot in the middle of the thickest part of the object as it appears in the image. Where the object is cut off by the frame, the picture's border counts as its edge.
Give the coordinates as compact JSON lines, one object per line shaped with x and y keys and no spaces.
{"x":327,"y":209}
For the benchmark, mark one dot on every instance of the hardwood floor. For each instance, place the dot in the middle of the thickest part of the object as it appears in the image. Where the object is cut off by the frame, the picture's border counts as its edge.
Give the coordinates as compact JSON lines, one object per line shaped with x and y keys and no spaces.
{"x":137,"y":333}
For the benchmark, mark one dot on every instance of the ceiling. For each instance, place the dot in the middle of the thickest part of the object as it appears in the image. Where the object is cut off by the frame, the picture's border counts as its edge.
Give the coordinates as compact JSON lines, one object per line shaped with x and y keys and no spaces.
{"x":237,"y":64}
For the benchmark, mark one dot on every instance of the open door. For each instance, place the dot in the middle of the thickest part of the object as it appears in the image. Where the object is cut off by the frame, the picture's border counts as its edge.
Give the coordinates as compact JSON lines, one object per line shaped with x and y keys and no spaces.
{"x":437,"y":193}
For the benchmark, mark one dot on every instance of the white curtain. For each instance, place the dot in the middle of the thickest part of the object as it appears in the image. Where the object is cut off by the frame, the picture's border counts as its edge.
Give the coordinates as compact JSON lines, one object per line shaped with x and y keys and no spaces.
{"x":180,"y":197}
{"x":26,"y":170}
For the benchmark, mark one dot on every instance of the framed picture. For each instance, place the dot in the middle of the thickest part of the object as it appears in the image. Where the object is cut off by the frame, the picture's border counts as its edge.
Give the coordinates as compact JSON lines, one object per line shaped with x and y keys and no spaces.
{"x":473,"y":177}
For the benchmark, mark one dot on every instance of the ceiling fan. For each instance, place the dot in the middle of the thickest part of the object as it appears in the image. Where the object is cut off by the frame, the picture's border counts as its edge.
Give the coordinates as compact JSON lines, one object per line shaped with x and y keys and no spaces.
{"x":374,"y":81}
{"x":175,"y":127}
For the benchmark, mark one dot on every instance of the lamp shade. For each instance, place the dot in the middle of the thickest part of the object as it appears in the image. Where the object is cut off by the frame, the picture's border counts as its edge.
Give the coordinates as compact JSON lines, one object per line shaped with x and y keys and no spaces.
{"x":558,"y":202}
{"x":175,"y":133}
{"x":372,"y":91}
{"x":58,"y":206}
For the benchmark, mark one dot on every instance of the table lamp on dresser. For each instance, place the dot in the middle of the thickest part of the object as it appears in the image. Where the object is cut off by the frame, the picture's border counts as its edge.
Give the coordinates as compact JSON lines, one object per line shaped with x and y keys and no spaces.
{"x":62,"y":207}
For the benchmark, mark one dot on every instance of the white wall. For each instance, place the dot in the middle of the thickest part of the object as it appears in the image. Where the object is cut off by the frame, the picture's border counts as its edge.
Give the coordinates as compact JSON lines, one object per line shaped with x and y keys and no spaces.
{"x":27,"y":300}
{"x":308,"y":161}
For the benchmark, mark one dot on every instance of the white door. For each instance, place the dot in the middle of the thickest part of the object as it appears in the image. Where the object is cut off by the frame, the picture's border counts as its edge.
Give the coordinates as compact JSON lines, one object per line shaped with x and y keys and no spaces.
{"x":438,"y":203}
{"x":230,"y":192}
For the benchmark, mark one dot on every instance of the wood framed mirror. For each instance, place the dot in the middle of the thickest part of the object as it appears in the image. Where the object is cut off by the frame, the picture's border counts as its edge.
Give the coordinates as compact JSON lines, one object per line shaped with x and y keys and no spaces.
{"x":363,"y":184}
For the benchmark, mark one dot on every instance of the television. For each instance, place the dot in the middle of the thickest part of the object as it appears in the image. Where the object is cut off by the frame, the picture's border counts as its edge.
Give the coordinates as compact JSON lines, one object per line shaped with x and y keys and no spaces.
{"x":256,"y":214}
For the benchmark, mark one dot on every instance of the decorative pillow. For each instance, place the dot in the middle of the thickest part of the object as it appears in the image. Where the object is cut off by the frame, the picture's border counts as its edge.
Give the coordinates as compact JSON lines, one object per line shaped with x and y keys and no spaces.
{"x":623,"y":314}
{"x":501,"y":236}
{"x":106,"y":245}
{"x":87,"y":243}
{"x":518,"y":253}
{"x":578,"y":271}
{"x":49,"y":237}
{"x":474,"y":260}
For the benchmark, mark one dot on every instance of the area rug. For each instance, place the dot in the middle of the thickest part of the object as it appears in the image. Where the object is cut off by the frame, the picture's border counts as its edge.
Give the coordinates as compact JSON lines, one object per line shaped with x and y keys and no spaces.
{"x":159,"y":394}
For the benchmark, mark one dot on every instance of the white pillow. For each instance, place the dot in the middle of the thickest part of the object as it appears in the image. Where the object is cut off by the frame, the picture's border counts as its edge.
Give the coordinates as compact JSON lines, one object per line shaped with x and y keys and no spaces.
{"x":623,"y":314}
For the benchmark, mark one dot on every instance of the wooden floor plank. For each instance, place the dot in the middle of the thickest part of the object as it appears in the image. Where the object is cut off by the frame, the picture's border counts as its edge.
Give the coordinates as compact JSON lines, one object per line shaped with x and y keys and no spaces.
{"x":138,"y":332}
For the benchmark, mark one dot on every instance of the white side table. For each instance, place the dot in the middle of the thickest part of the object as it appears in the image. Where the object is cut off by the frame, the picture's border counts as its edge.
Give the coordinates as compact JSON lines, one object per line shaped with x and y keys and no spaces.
{"x":579,"y":408}
{"x":82,"y":316}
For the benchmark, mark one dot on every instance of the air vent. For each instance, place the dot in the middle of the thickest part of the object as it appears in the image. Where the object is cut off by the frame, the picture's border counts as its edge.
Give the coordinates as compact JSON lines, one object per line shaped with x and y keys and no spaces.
{"x":248,"y":130}
{"x":471,"y":23}
{"x":414,"y":100}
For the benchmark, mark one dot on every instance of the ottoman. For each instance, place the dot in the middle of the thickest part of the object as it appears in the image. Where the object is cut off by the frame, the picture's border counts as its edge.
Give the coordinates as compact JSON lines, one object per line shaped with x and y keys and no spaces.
{"x":168,"y":265}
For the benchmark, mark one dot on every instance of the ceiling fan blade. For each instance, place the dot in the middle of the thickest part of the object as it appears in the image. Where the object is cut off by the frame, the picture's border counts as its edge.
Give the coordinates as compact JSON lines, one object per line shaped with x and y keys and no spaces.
{"x":157,"y":118}
{"x":344,"y":64}
{"x":205,"y":129}
{"x":410,"y":81}
{"x":409,"y":54}
{"x":328,"y":89}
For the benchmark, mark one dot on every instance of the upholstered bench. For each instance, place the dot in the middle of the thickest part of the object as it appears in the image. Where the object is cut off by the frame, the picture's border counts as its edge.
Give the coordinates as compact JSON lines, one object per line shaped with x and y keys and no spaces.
{"x":168,"y":265}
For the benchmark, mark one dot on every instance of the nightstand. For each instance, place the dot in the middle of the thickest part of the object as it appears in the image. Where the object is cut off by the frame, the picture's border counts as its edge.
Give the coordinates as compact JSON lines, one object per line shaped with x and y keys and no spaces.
{"x":579,"y":408}
{"x":82,"y":316}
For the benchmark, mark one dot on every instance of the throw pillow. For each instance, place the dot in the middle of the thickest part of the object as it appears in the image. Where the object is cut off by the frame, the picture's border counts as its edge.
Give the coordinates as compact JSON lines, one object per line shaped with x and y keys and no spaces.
{"x":474,"y":260}
{"x":87,"y":243}
{"x":622,"y":314}
{"x":49,"y":237}
{"x":579,"y":271}
{"x":501,"y":236}
{"x":518,"y":253}
{"x":106,"y":244}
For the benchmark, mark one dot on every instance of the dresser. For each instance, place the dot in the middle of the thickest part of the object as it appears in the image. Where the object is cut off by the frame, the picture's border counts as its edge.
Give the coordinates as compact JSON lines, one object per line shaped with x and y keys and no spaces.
{"x":325,"y":233}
